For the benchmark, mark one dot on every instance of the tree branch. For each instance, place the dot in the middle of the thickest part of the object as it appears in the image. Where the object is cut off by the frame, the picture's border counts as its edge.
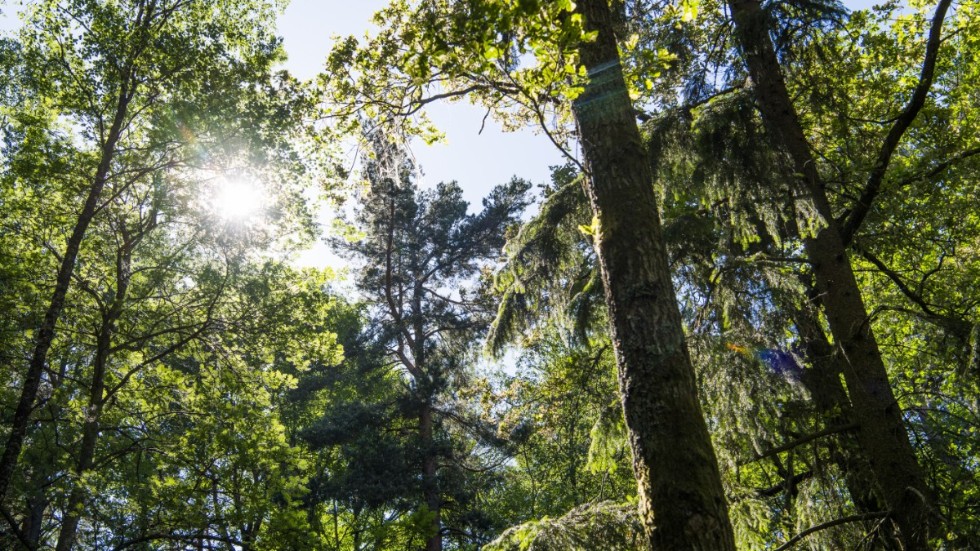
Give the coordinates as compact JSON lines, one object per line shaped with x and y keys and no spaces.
{"x":941,"y":167}
{"x":873,"y":186}
{"x":788,"y":484}
{"x":830,"y":524}
{"x":12,"y":523}
{"x":960,"y":327}
{"x":803,"y":440}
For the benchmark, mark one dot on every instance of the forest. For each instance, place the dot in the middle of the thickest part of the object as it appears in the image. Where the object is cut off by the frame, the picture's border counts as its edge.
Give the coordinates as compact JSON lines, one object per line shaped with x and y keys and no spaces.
{"x":743,"y":313}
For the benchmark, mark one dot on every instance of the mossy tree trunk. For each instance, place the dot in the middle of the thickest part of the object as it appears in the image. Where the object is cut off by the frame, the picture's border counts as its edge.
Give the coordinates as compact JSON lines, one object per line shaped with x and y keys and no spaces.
{"x":682,"y":503}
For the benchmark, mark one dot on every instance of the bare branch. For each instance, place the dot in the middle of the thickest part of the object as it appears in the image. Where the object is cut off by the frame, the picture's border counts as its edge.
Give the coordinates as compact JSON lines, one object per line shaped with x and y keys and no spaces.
{"x":830,"y":524}
{"x":918,"y":100}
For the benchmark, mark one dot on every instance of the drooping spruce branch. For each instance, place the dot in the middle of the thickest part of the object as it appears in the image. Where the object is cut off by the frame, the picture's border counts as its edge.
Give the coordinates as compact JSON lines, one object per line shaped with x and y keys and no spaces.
{"x":804,"y":440}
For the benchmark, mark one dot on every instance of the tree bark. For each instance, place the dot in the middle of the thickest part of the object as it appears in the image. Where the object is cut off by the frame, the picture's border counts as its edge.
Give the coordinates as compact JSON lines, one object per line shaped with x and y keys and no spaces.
{"x":430,"y":484}
{"x":33,"y":524}
{"x":90,"y":430}
{"x":882,"y":435}
{"x":682,"y":502}
{"x":46,"y":333}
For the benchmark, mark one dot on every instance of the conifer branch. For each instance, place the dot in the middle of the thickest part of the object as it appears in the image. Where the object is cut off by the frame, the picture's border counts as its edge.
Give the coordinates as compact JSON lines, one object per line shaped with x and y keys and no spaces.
{"x":788,"y":484}
{"x":803,"y":440}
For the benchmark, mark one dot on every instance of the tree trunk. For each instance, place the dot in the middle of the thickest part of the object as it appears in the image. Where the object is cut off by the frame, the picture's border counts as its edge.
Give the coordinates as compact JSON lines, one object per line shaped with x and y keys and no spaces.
{"x":829,"y":397}
{"x":46,"y":333}
{"x":90,"y":430}
{"x":882,"y":433}
{"x":430,"y":484}
{"x":33,"y":524}
{"x":682,"y":502}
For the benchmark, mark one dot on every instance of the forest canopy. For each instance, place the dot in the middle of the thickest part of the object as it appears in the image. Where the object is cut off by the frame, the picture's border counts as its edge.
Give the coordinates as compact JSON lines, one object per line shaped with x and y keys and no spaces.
{"x":743,"y":313}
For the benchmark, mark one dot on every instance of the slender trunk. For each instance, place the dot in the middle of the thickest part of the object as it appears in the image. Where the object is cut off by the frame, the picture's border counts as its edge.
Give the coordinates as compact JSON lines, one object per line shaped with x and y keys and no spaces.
{"x":430,"y":484}
{"x":882,"y":433}
{"x":33,"y":524}
{"x":357,"y":531}
{"x":682,"y":502}
{"x":336,"y":526}
{"x":90,"y":430}
{"x":426,"y":385}
{"x":973,"y":364}
{"x":46,"y":333}
{"x":829,"y":397}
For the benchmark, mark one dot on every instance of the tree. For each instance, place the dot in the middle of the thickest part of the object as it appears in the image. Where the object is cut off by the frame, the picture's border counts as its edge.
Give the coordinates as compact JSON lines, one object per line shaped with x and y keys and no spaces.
{"x":198,"y":103}
{"x":882,"y":431}
{"x":111,"y":68}
{"x":733,"y":234}
{"x":420,"y":252}
{"x":563,"y":426}
{"x":132,"y":232}
{"x":473,"y":48}
{"x":221,"y":466}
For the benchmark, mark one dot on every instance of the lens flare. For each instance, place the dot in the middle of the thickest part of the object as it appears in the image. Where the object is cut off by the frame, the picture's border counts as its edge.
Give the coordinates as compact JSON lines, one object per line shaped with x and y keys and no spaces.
{"x":780,"y":362}
{"x":238,"y":200}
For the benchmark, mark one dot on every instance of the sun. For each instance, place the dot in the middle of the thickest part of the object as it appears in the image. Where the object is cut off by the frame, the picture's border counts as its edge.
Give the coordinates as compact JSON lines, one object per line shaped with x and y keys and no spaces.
{"x":238,"y":200}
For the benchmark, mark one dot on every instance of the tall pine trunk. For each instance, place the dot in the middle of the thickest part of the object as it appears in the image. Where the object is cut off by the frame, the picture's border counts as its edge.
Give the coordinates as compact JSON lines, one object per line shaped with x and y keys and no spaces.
{"x":682,"y":502}
{"x":430,"y":484}
{"x":882,"y":433}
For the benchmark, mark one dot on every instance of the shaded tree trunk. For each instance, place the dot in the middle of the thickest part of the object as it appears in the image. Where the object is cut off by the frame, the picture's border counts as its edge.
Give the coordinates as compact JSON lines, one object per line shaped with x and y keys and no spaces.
{"x":90,"y":430}
{"x":682,"y":502}
{"x":882,"y":434}
{"x":33,"y":524}
{"x":430,"y":483}
{"x":46,"y":333}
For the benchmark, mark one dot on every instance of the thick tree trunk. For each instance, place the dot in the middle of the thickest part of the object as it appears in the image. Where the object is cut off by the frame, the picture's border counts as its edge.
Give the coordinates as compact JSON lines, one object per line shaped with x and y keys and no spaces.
{"x":882,"y":433}
{"x":682,"y":502}
{"x":46,"y":333}
{"x":430,"y":484}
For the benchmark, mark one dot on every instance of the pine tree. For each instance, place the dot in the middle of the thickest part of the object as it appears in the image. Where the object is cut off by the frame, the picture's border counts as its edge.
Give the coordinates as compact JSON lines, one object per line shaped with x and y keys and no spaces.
{"x":421,"y":256}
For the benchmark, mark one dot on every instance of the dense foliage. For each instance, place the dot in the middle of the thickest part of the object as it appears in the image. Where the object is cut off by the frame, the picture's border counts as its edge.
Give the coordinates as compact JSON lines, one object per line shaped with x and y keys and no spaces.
{"x":744,"y":315}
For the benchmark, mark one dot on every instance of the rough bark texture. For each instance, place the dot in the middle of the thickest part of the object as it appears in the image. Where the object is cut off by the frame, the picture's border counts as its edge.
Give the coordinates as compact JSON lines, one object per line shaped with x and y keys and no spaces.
{"x":682,"y":503}
{"x":46,"y":333}
{"x":882,"y":434}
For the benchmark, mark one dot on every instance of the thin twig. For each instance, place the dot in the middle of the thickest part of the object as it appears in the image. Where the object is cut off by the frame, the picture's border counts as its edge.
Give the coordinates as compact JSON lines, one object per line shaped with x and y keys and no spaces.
{"x":800,"y":441}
